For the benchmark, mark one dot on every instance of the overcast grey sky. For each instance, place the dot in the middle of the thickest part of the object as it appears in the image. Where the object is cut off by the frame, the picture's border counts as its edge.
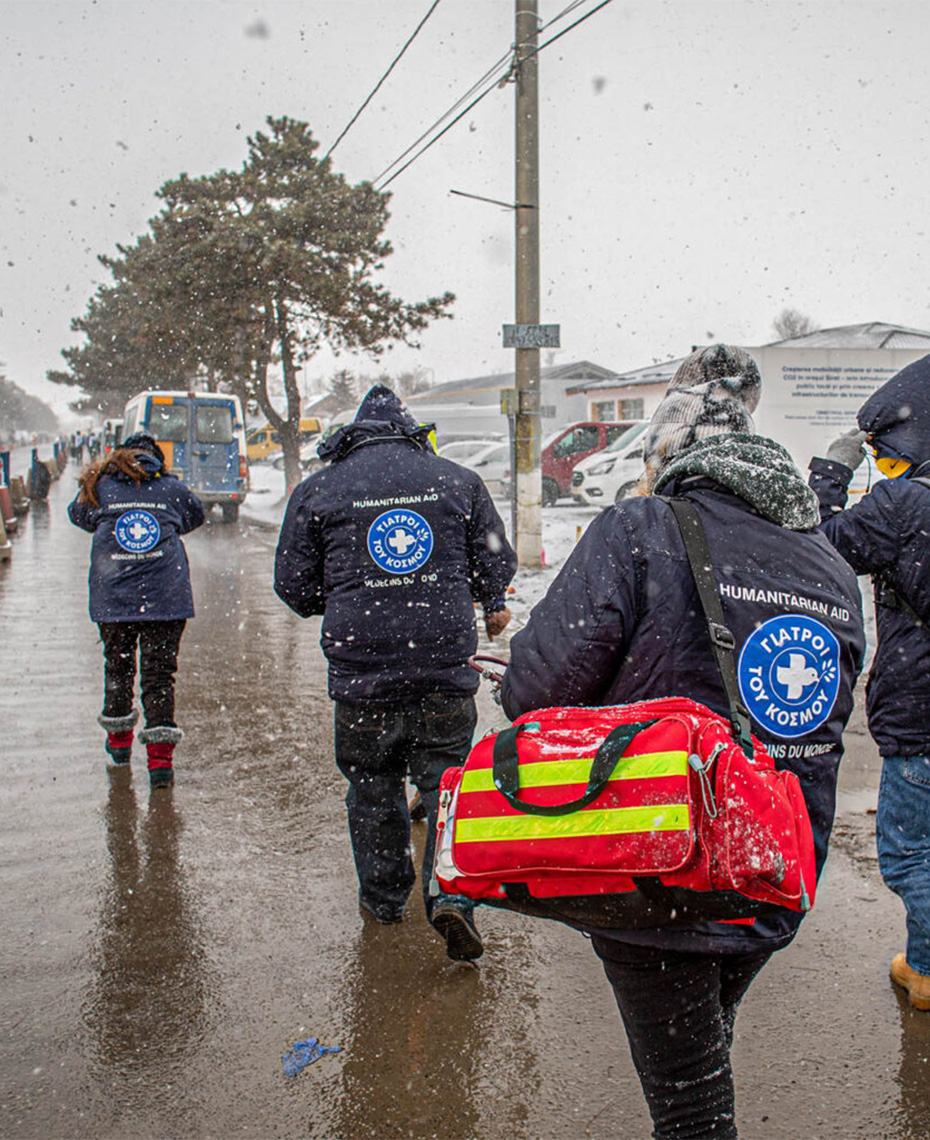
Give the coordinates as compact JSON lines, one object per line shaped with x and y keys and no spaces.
{"x":703,"y":164}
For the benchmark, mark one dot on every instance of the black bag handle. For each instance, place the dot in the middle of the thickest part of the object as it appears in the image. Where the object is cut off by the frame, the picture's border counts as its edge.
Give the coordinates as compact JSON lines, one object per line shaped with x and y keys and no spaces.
{"x":722,"y":640}
{"x":506,"y":768}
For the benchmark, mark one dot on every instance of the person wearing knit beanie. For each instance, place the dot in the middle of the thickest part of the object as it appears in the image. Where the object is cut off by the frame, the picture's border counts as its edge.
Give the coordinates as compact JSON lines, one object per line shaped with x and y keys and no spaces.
{"x":714,"y":392}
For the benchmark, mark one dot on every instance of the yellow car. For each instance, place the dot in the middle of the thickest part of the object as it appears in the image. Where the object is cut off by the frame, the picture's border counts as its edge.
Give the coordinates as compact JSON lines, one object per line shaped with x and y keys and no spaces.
{"x":260,"y":442}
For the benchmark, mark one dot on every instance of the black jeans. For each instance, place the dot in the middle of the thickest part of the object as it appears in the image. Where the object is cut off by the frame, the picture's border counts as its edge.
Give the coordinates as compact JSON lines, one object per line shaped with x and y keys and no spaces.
{"x":377,"y":747}
{"x":158,"y":643}
{"x":678,"y":1010}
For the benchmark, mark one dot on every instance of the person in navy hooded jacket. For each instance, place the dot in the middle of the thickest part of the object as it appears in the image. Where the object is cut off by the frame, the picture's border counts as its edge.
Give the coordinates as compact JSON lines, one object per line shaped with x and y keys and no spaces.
{"x":394,"y":546}
{"x":622,"y":623}
{"x":140,"y":591}
{"x":887,"y":535}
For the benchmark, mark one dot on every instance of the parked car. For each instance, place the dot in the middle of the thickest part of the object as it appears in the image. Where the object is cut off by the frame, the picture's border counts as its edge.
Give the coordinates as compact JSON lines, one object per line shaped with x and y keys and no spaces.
{"x":564,"y":449}
{"x":461,"y":450}
{"x":491,"y":460}
{"x":265,"y":442}
{"x":309,"y":460}
{"x":202,"y":435}
{"x":611,"y":474}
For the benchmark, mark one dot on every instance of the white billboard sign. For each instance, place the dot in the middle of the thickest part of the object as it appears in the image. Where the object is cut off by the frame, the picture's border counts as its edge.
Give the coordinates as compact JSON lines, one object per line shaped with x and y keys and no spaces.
{"x":810,"y":396}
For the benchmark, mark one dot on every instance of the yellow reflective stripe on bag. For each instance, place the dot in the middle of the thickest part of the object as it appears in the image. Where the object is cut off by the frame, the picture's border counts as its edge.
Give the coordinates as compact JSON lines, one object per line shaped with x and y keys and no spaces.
{"x":552,"y":773}
{"x":606,"y":821}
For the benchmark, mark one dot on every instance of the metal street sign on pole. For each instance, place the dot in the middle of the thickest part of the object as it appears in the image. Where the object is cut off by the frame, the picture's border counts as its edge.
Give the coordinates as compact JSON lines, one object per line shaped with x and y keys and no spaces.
{"x":527,"y":511}
{"x":531,"y":336}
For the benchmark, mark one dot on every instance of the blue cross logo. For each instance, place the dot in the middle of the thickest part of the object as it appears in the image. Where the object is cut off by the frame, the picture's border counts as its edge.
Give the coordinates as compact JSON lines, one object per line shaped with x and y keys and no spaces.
{"x":137,"y":531}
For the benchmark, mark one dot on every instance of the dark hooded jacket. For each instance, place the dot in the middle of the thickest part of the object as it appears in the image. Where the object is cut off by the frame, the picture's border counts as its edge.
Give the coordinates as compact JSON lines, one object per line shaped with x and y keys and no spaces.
{"x":393,"y":545}
{"x":138,"y":564}
{"x":887,"y":535}
{"x":622,"y":623}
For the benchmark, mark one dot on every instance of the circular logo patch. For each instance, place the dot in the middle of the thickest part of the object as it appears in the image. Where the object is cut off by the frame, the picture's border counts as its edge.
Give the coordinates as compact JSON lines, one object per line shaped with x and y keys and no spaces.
{"x":137,"y":531}
{"x":400,"y":541}
{"x":789,"y":674}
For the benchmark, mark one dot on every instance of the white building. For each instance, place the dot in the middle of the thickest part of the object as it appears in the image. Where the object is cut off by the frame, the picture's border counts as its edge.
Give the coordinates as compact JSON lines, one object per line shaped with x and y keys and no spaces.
{"x":812,"y":384}
{"x":473,"y":406}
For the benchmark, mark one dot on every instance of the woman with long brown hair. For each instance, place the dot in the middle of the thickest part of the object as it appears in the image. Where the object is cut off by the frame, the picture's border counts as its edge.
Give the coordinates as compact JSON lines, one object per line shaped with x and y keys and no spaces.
{"x":140,"y":591}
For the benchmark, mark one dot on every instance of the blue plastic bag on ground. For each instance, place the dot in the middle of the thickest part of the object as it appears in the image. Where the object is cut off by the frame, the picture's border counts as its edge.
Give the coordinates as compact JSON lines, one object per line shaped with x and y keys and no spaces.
{"x":304,"y":1053}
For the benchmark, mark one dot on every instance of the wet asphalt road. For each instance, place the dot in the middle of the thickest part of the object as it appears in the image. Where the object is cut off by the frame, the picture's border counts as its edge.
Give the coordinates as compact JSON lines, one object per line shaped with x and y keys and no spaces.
{"x":158,"y":955}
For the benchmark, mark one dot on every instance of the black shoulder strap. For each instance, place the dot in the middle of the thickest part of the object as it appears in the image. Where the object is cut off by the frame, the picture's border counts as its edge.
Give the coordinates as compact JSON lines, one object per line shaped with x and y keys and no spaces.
{"x":722,"y":640}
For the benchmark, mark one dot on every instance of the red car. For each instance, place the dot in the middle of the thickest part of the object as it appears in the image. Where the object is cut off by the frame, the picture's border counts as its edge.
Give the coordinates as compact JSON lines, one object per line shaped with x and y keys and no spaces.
{"x":568,"y":446}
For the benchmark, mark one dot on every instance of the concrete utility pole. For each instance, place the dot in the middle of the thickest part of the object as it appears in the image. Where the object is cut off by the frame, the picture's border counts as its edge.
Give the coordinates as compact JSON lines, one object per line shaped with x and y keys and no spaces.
{"x":528,"y":481}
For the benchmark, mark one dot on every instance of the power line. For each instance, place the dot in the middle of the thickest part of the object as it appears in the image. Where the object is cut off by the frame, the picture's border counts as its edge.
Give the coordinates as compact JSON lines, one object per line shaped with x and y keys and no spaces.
{"x":436,"y":138}
{"x":373,"y":92}
{"x":492,"y":77}
{"x":555,"y":19}
{"x":558,"y":35}
{"x":487,"y":91}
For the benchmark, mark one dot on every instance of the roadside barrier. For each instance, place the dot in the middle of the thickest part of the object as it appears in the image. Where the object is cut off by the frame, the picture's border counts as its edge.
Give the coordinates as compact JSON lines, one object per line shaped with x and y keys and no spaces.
{"x":10,"y":521}
{"x":18,"y":495}
{"x":7,"y":515}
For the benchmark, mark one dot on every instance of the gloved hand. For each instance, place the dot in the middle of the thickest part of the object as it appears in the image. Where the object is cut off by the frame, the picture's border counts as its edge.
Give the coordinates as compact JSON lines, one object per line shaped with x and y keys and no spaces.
{"x":848,"y":449}
{"x":497,"y":622}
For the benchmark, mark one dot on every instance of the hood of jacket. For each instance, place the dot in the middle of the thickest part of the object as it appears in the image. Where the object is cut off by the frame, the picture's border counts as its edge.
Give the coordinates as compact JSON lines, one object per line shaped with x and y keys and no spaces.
{"x":381,"y":416}
{"x":757,"y":469}
{"x":150,"y":464}
{"x":898,"y":414}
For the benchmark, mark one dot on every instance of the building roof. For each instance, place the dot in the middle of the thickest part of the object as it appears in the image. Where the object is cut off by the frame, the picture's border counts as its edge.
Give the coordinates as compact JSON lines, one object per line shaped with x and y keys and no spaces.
{"x":651,"y":374}
{"x":476,"y":385}
{"x":874,"y":334}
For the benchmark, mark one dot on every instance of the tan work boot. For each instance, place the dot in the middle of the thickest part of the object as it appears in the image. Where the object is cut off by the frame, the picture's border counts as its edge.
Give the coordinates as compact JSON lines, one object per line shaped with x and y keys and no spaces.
{"x":917,"y":985}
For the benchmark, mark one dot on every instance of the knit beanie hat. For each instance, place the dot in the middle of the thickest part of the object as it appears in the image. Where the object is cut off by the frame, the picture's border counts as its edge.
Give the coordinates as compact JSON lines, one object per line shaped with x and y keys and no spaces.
{"x":142,"y":441}
{"x":714,"y":392}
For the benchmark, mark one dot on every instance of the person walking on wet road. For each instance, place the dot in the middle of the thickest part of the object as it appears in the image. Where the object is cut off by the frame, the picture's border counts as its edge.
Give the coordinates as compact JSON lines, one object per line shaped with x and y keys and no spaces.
{"x":887,"y":535}
{"x":140,"y":592}
{"x":394,"y":546}
{"x":622,"y":623}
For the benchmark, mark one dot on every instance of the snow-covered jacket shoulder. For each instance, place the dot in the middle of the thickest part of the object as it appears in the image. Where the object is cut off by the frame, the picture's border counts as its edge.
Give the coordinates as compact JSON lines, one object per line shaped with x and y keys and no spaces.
{"x":138,"y":565}
{"x":394,"y":545}
{"x":887,"y":535}
{"x":622,"y":622}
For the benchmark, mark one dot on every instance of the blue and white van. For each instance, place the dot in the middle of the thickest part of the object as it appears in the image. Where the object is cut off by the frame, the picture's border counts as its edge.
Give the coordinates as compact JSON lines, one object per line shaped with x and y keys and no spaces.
{"x":202,"y":435}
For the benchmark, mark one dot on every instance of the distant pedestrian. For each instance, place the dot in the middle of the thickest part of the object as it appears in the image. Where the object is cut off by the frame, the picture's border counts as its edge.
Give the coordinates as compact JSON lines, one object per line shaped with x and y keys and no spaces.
{"x":622,"y":623}
{"x":394,"y":546}
{"x":93,"y":446}
{"x":140,"y":591}
{"x":887,"y":535}
{"x":77,"y":447}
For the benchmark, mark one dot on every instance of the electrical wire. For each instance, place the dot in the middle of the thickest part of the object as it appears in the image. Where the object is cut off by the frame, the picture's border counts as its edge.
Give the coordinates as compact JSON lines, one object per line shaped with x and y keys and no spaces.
{"x":492,"y":77}
{"x":373,"y":92}
{"x":477,"y":100}
{"x":555,"y":19}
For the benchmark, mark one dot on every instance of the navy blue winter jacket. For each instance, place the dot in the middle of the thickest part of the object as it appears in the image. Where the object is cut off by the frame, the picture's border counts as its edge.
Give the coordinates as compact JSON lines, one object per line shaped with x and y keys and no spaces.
{"x":393,"y":545}
{"x":622,"y":622}
{"x":138,"y":564}
{"x":887,"y":535}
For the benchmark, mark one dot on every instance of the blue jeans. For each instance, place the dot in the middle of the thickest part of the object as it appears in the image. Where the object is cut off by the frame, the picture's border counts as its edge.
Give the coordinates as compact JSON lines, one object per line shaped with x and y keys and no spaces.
{"x":377,"y":747}
{"x":902,"y":831}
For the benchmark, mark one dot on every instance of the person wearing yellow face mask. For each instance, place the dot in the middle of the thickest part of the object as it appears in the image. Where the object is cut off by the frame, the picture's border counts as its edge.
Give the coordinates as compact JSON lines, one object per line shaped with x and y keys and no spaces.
{"x":887,"y":535}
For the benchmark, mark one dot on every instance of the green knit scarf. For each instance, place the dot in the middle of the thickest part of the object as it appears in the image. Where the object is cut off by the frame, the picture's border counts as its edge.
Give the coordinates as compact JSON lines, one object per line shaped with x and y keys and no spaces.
{"x":757,"y":469}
